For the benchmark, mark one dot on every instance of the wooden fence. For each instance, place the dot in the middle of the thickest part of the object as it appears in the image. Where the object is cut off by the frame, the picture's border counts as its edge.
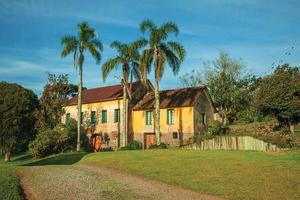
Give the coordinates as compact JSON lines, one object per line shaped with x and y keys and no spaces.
{"x":233,"y":143}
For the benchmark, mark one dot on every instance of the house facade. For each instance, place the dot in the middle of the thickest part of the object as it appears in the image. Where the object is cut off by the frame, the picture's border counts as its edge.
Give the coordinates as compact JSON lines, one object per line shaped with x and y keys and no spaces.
{"x":184,"y":113}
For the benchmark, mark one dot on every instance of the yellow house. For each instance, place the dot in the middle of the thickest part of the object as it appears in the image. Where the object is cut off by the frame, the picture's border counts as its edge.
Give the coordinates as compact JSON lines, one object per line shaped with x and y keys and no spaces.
{"x":183,"y":114}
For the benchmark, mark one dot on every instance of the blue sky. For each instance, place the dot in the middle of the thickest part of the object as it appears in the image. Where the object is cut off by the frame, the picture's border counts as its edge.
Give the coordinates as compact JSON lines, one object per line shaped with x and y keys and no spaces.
{"x":258,"y":32}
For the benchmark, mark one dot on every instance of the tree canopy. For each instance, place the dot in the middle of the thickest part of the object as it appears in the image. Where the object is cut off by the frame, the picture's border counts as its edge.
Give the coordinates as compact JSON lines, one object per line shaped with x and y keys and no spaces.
{"x":17,"y":105}
{"x":279,"y":95}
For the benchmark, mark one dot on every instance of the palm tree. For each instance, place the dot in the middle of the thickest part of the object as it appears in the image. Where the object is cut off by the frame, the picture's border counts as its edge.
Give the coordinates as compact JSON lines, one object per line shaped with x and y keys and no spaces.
{"x":87,"y":39}
{"x":128,"y":57}
{"x":162,"y":51}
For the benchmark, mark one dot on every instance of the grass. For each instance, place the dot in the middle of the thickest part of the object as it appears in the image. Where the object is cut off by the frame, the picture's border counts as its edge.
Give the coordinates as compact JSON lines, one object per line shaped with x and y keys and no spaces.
{"x":9,"y":184}
{"x":230,"y":174}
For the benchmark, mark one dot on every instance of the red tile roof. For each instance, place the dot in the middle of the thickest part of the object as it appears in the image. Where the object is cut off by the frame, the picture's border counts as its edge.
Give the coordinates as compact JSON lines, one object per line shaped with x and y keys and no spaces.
{"x":182,"y":97}
{"x":101,"y":94}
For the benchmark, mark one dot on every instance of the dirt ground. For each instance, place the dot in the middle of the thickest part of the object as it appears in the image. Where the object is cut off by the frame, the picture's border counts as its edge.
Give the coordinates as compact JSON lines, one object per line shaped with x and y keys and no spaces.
{"x":88,"y":182}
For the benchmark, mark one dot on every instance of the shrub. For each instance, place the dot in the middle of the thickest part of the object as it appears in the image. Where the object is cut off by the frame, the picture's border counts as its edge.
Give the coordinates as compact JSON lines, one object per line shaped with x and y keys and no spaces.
{"x":106,"y":138}
{"x":160,"y":146}
{"x":58,"y":140}
{"x":133,"y":145}
{"x":217,"y":128}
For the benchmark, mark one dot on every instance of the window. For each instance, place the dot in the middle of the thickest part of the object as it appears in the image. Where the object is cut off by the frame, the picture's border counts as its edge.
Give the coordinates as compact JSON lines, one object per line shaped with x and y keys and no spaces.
{"x":68,"y":118}
{"x":170,"y":116}
{"x":117,"y":115}
{"x":93,"y":117}
{"x":104,"y":117}
{"x":81,"y":117}
{"x":149,"y":117}
{"x":175,"y":135}
{"x":203,"y":119}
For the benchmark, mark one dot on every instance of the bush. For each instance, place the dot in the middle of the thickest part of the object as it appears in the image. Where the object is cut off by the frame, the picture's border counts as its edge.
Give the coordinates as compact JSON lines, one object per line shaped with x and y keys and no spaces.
{"x":217,"y":128}
{"x":133,"y":145}
{"x":160,"y":146}
{"x":58,"y":140}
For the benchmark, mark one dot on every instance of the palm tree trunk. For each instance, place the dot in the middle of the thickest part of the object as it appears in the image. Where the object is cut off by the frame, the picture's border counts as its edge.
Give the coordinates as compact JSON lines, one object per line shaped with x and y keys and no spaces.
{"x":79,"y":107}
{"x":124,"y":116}
{"x":157,"y":112}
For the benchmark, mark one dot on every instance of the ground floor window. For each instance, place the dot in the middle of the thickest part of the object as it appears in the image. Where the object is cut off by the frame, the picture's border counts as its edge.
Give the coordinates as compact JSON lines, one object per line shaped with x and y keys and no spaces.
{"x":117,"y":115}
{"x":175,"y":135}
{"x":93,"y":117}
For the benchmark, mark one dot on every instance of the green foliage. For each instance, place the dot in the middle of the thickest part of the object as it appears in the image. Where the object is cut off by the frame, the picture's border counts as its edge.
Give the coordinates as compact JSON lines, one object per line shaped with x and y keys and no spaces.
{"x":248,"y":116}
{"x":192,"y":79}
{"x":133,"y":145}
{"x":217,"y":128}
{"x":9,"y":184}
{"x":268,"y":131}
{"x":56,"y":94}
{"x":106,"y":138}
{"x":58,"y":140}
{"x":17,"y":106}
{"x":279,"y":95}
{"x":159,"y":146}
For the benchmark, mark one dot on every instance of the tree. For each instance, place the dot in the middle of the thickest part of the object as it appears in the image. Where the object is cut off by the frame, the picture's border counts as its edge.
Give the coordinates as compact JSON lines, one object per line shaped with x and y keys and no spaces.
{"x":159,"y":52}
{"x":192,"y":79}
{"x":279,"y":95}
{"x":128,"y":57}
{"x":87,"y":39}
{"x":221,"y":78}
{"x":56,"y":94}
{"x":17,"y":105}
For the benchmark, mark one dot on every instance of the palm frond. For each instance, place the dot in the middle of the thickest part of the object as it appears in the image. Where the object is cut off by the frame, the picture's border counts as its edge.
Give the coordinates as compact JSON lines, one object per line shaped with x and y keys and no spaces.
{"x":85,"y":32}
{"x":147,"y":25}
{"x":169,"y":27}
{"x":171,"y":58}
{"x":110,"y":65}
{"x":178,"y":49}
{"x":139,"y":43}
{"x":69,"y":43}
{"x":95,"y":48}
{"x":119,"y":46}
{"x":144,"y":68}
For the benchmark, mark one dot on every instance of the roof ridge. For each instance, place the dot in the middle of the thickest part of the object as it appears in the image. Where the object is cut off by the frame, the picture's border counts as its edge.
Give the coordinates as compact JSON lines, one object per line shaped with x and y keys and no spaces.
{"x":117,"y":85}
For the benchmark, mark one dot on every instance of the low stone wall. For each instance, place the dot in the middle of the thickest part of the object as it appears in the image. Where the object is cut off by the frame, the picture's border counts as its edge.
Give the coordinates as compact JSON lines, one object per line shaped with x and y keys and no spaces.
{"x":233,"y":143}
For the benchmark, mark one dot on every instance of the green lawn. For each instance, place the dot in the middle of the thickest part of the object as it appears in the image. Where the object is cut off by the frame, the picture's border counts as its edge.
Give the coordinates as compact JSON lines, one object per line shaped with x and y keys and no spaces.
{"x":230,"y":174}
{"x":9,"y":184}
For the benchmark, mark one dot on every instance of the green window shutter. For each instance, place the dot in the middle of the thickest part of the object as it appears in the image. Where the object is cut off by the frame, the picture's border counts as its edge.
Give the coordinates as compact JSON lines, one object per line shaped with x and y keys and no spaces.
{"x":149,"y":116}
{"x":170,"y":116}
{"x":68,"y":118}
{"x":93,"y":117}
{"x":104,"y":116}
{"x":117,"y":115}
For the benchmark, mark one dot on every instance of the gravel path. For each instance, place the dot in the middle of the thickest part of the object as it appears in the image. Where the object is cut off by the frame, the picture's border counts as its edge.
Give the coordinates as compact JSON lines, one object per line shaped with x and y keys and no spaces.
{"x":88,"y":182}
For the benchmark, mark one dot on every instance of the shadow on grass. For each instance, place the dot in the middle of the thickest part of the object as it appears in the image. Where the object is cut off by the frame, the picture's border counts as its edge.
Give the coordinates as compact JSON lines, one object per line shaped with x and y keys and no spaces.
{"x":61,"y":159}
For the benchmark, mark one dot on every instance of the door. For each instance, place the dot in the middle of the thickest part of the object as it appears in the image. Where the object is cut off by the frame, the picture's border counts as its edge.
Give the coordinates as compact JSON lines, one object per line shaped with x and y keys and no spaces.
{"x":148,"y":140}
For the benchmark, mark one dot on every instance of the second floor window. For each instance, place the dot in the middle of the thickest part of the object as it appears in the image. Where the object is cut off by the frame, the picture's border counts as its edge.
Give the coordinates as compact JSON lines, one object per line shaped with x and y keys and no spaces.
{"x":170,"y":116}
{"x":149,"y":117}
{"x":104,"y":116}
{"x":117,"y":115}
{"x":93,"y":117}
